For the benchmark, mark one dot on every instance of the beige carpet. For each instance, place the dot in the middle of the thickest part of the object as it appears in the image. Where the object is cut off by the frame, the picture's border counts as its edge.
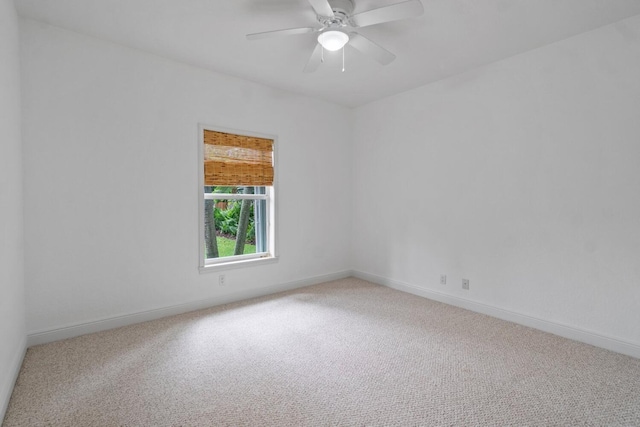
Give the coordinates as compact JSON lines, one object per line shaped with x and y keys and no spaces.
{"x":341,"y":353}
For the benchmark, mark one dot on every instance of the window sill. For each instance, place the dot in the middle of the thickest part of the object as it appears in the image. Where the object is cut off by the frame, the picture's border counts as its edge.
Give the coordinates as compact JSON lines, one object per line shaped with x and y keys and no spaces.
{"x":214,"y":268}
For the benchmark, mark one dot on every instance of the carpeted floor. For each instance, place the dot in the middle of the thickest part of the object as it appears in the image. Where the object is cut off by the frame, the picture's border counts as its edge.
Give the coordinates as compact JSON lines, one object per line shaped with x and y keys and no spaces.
{"x":341,"y":353}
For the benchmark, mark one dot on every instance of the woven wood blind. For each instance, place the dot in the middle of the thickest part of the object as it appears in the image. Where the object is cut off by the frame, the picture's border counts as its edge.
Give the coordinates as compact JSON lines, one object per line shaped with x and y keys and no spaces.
{"x":231,"y":159}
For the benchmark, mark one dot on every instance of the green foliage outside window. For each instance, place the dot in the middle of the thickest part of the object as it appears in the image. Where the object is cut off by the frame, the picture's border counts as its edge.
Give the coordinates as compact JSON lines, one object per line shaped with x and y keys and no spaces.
{"x":227,"y":220}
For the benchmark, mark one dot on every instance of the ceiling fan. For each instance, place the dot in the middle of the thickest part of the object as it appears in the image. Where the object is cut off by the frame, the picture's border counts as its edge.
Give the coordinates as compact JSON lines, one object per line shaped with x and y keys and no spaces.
{"x":337,"y":28}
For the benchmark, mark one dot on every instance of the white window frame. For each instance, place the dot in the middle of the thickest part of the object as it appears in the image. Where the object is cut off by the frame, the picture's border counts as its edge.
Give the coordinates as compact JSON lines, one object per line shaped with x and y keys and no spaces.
{"x":236,"y":261}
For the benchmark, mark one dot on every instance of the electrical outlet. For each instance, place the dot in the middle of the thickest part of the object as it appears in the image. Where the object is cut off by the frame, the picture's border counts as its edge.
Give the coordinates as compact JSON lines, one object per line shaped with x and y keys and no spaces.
{"x":221,"y":280}
{"x":443,"y":279}
{"x":465,"y":284}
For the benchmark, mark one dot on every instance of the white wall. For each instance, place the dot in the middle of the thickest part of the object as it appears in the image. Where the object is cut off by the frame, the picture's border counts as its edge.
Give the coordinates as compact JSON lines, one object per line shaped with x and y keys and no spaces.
{"x":12,"y":320}
{"x":111,"y":195}
{"x":522,"y":176}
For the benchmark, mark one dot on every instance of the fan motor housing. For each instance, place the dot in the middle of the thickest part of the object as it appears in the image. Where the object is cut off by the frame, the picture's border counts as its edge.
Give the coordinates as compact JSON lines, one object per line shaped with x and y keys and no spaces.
{"x":342,"y":10}
{"x":344,"y":6}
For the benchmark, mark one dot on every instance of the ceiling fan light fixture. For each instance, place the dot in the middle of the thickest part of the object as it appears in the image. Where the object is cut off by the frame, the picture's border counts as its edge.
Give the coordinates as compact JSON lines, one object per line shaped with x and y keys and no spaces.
{"x":333,"y":40}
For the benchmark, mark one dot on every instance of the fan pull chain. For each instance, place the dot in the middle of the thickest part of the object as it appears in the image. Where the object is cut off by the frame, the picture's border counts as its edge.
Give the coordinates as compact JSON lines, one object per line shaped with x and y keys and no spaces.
{"x":343,"y":59}
{"x":322,"y":54}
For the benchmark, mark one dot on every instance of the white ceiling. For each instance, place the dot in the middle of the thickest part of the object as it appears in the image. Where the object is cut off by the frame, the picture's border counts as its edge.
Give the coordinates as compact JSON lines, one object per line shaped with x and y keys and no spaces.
{"x":451,"y":37}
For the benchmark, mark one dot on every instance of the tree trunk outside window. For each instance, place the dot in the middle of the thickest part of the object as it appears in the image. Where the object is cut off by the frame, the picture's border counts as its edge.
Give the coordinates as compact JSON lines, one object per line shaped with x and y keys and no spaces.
{"x":211,"y":243}
{"x":243,"y":223}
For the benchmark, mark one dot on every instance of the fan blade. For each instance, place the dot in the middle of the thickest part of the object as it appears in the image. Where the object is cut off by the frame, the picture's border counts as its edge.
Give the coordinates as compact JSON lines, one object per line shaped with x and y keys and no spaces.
{"x":370,"y":48}
{"x":322,"y":8}
{"x":276,"y":33}
{"x":394,"y":12}
{"x":314,"y":61}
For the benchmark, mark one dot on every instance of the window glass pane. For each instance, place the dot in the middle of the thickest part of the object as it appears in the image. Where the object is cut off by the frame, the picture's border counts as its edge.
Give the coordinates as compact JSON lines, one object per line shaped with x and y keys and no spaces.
{"x":234,"y":227}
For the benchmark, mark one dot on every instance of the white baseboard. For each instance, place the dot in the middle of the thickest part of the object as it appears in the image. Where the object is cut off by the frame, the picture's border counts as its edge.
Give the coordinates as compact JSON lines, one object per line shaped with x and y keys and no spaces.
{"x":566,"y":331}
{"x":13,"y":370}
{"x":97,"y":325}
{"x":559,"y":329}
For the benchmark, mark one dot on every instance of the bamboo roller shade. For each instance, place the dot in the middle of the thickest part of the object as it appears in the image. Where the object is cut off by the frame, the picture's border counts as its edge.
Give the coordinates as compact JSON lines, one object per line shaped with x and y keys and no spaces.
{"x":234,"y":160}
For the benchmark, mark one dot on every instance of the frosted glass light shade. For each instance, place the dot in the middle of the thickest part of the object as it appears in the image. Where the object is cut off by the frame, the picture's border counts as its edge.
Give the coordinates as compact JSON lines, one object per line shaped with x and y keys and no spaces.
{"x":333,"y":40}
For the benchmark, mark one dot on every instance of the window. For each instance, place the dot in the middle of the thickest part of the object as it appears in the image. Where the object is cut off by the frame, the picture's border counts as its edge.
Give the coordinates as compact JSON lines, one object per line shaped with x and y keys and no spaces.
{"x":237,"y":209}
